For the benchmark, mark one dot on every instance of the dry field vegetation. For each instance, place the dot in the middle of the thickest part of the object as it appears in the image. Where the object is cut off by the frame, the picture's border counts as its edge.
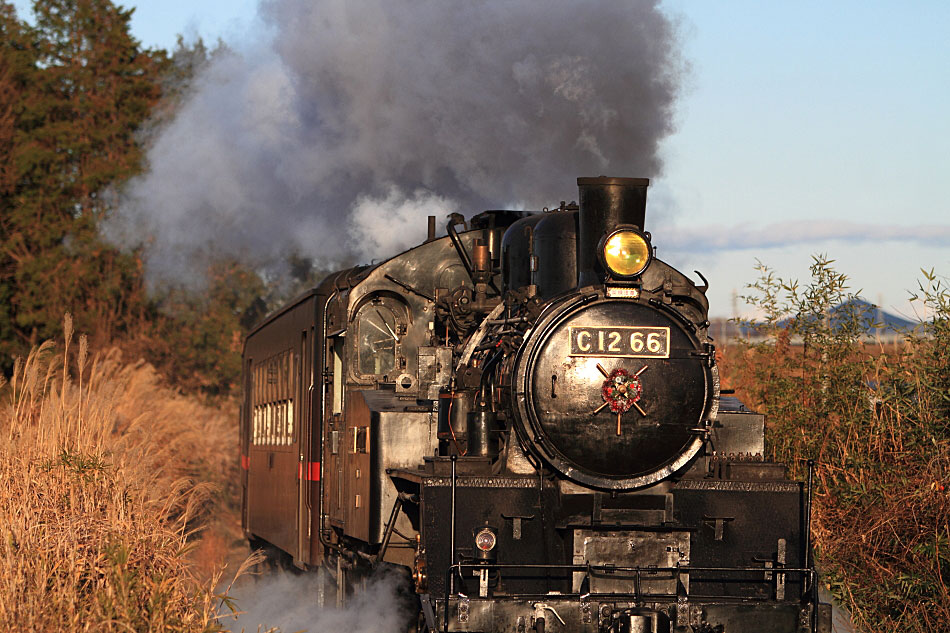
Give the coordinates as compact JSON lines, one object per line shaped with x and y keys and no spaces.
{"x":112,"y":493}
{"x":877,"y":420}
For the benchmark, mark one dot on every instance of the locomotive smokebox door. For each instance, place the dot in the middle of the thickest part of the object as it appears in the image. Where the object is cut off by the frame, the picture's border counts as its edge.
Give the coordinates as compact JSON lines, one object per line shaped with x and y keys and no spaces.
{"x":613,"y":406}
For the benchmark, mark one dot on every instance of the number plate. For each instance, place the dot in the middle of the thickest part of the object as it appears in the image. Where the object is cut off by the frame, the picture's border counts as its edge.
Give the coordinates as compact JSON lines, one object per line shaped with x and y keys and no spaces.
{"x":628,"y":342}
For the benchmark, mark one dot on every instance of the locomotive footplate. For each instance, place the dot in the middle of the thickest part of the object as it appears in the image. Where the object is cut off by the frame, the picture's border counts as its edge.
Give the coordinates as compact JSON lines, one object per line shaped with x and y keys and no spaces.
{"x":616,"y":611}
{"x":606,"y":614}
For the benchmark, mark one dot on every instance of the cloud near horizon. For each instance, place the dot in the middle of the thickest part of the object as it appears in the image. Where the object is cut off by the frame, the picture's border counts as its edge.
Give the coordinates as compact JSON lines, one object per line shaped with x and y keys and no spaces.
{"x":710,"y":239}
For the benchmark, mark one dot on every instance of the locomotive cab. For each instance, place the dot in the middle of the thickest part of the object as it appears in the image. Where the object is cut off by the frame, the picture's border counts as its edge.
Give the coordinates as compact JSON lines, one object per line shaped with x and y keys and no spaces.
{"x":525,"y":416}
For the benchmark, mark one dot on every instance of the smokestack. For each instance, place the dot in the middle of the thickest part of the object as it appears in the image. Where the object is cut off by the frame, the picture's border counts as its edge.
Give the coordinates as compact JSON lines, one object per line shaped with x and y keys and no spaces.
{"x":605,"y":203}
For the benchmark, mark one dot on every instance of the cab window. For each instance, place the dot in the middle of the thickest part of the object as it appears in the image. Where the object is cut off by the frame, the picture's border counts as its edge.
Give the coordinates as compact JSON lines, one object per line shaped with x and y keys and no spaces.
{"x":377,"y":329}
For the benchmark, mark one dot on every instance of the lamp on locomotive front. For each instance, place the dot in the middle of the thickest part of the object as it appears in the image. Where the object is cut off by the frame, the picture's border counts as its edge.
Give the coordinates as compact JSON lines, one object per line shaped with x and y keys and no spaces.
{"x":486,"y":540}
{"x":486,"y":553}
{"x":625,"y":252}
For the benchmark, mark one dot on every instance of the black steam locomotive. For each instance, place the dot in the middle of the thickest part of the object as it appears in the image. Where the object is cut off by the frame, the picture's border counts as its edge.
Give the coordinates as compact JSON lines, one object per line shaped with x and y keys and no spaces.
{"x":524,"y":416}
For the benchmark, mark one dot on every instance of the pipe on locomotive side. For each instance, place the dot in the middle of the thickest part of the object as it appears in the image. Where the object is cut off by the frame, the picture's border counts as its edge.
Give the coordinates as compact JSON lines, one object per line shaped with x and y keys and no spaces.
{"x":605,"y":203}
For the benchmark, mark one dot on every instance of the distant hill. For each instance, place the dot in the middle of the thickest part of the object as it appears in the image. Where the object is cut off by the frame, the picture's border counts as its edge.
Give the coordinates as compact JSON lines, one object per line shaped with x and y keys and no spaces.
{"x":879,"y":323}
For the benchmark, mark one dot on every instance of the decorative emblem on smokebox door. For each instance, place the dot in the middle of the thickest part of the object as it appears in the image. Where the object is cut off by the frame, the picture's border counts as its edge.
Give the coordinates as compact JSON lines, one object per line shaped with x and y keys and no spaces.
{"x":621,"y":391}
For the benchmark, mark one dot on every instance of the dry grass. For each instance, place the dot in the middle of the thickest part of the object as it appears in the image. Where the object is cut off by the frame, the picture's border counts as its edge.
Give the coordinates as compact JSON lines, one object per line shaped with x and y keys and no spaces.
{"x":104,"y":479}
{"x":882,"y":507}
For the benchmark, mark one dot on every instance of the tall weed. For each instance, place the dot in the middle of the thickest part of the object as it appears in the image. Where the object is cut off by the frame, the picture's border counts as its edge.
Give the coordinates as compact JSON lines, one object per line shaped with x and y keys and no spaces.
{"x":876,"y":418}
{"x":103,"y":481}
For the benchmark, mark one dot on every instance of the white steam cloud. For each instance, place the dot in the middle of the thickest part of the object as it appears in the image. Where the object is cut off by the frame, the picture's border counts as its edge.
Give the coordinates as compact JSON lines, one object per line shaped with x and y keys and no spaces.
{"x":392,"y":223}
{"x":352,"y":116}
{"x":288,"y":602}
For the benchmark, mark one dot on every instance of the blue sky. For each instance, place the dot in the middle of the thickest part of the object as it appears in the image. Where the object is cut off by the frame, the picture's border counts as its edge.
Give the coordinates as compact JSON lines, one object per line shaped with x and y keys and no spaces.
{"x":816,"y":112}
{"x":803,"y":128}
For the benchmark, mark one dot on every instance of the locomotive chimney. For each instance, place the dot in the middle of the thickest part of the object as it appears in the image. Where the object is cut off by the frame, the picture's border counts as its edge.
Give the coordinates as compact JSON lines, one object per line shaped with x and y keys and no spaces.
{"x":605,"y":203}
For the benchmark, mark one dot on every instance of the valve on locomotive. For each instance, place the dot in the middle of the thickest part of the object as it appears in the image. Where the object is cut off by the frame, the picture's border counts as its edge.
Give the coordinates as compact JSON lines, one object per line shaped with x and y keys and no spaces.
{"x":460,"y":308}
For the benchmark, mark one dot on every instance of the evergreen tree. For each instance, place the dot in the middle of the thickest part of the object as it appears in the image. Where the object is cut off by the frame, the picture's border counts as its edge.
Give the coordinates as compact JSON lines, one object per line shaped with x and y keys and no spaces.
{"x":17,"y":71}
{"x":79,"y":98}
{"x":89,"y":89}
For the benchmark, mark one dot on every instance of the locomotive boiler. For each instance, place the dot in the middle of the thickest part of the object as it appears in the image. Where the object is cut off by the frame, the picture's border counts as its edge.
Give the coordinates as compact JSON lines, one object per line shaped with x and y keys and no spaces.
{"x":524,"y":417}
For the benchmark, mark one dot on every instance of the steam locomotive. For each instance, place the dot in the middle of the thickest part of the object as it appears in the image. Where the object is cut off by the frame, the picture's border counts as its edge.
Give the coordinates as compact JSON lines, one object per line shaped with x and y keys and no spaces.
{"x":525,"y":417}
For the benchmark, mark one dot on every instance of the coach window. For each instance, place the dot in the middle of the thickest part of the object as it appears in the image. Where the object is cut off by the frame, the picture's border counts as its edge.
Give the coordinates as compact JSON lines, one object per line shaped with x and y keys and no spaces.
{"x":273,"y":385}
{"x":377,"y":330}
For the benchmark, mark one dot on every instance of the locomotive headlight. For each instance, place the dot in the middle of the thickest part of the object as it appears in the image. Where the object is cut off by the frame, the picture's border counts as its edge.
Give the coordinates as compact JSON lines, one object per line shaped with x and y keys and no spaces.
{"x":485,"y":541}
{"x":625,"y":252}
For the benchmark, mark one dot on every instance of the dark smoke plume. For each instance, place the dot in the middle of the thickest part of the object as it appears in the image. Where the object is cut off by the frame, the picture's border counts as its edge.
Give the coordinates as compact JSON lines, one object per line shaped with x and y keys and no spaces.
{"x":336,"y":136}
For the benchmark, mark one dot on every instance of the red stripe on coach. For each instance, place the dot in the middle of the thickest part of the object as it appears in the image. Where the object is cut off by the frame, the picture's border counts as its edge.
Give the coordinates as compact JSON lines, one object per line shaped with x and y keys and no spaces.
{"x":313,"y":471}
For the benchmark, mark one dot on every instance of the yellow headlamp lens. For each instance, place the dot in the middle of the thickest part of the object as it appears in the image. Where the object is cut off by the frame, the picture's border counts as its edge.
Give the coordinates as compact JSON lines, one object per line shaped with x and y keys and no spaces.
{"x":626,"y":253}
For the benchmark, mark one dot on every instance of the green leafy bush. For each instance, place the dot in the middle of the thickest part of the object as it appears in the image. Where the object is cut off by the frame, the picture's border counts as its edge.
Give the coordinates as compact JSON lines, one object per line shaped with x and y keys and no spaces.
{"x":876,"y":418}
